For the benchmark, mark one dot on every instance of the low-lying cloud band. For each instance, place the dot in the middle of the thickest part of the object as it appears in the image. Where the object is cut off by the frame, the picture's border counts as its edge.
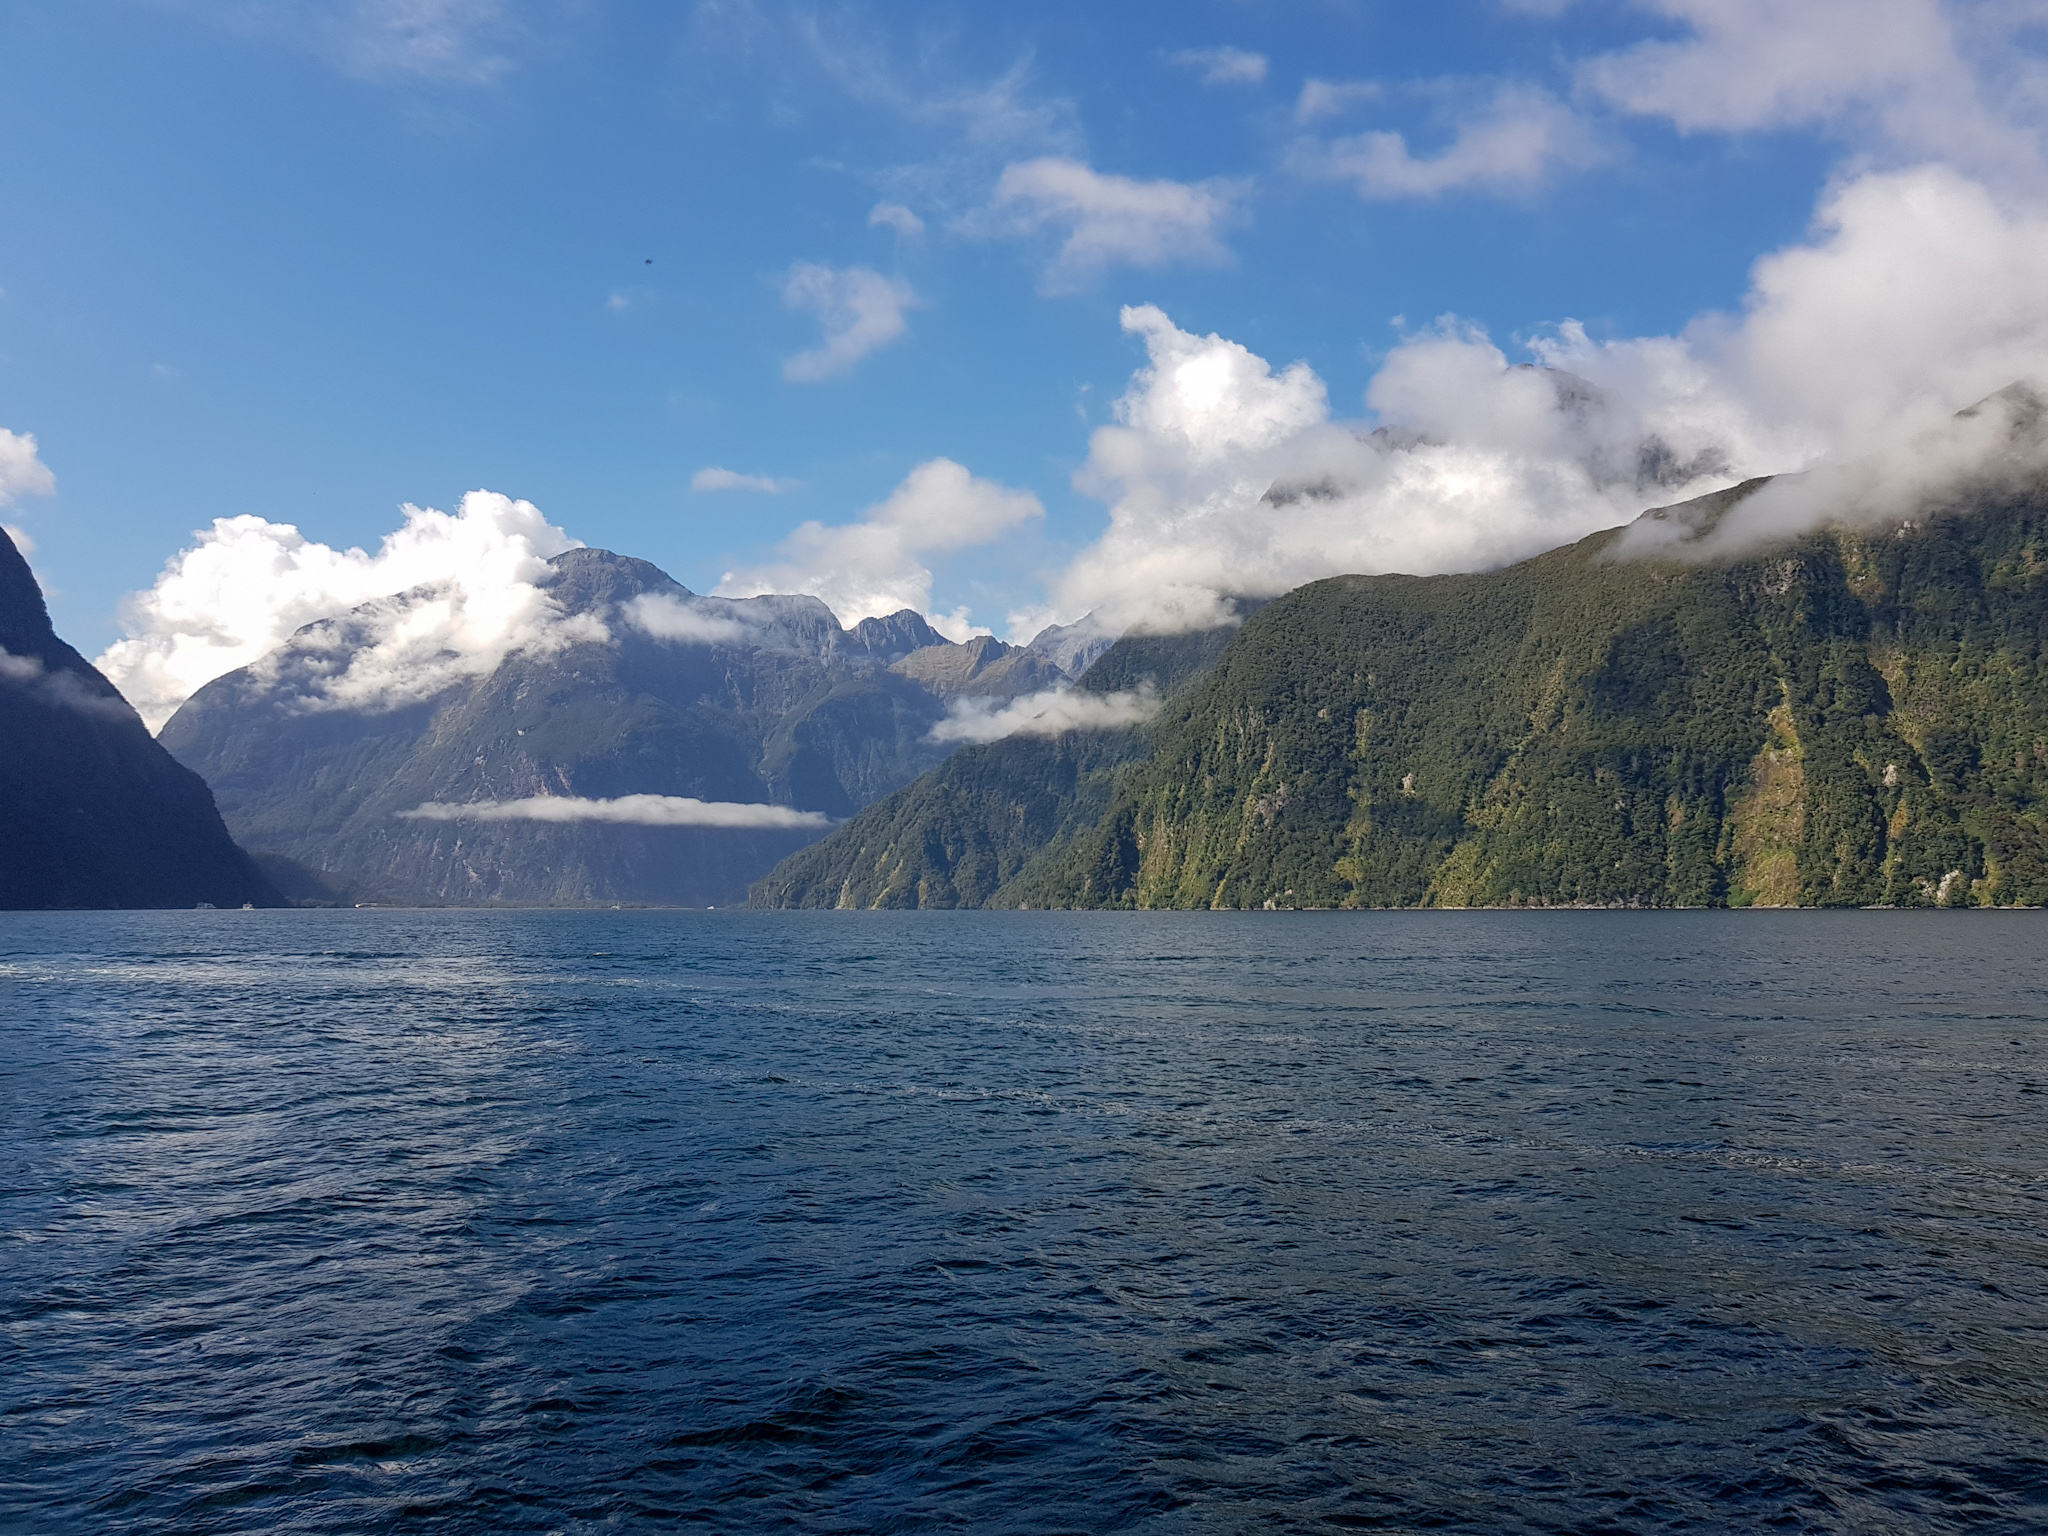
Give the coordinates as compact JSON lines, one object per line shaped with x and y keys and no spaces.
{"x":627,"y":810}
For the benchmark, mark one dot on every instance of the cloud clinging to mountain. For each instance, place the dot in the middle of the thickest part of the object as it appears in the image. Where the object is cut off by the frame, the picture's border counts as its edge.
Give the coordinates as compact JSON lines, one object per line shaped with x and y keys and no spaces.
{"x":874,"y":566}
{"x":247,"y":584}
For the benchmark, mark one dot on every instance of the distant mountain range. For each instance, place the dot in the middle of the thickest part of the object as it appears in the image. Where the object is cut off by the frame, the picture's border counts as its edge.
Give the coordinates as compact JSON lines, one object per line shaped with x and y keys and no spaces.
{"x":1659,"y":715}
{"x":93,"y":812}
{"x":669,"y":751}
{"x":1857,"y":717}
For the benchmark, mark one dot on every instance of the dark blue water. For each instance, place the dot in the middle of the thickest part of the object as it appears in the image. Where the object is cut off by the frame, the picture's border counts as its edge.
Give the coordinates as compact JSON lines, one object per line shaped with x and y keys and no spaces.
{"x":580,"y":1222}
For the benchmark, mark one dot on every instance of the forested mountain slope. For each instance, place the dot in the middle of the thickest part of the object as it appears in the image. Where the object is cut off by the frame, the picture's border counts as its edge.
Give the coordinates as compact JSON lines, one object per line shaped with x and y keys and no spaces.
{"x":1860,"y":717}
{"x":976,"y":830}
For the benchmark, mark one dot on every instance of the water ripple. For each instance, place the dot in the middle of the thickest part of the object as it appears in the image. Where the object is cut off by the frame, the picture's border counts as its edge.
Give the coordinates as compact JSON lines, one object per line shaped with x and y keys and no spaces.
{"x":591,"y":1222}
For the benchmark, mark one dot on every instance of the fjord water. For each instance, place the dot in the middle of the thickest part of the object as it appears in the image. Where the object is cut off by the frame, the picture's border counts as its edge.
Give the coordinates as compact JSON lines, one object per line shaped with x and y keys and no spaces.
{"x":577,"y":1222}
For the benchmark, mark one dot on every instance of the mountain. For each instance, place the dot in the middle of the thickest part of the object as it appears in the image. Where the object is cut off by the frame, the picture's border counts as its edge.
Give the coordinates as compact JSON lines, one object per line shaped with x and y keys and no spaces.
{"x":764,"y":709}
{"x":980,"y":829}
{"x":1856,"y":717}
{"x":96,"y":813}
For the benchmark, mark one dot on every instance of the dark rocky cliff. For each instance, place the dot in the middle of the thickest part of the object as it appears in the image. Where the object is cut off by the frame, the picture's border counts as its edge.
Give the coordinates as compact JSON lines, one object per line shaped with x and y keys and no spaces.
{"x":93,"y":812}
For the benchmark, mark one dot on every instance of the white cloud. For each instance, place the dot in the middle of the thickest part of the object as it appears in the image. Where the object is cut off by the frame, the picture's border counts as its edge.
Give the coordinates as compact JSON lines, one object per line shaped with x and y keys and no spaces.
{"x":874,"y":567}
{"x":1227,"y":478}
{"x":997,"y":113}
{"x":1223,"y":66}
{"x":690,"y":620}
{"x":463,"y":42}
{"x":1917,"y":293}
{"x":1511,"y":144}
{"x":64,"y":689}
{"x":627,"y":810}
{"x":21,"y":539}
{"x":897,"y":217}
{"x":1052,"y":713}
{"x":22,"y":473}
{"x":858,"y":308}
{"x":1924,"y":78}
{"x":715,"y":478}
{"x":1332,"y":98}
{"x":1110,"y":220}
{"x":248,"y":584}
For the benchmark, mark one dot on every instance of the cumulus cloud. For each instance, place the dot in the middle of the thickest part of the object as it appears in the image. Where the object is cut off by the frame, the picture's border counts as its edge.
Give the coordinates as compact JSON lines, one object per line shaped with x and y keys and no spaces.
{"x":1223,"y":66}
{"x":873,"y":567}
{"x":858,"y":309}
{"x":1513,"y":143}
{"x":1111,"y":220}
{"x":471,"y":594}
{"x":1923,"y":78}
{"x":1916,"y":294}
{"x":22,"y":473}
{"x":1052,"y":713}
{"x":1225,"y":477}
{"x":628,"y":810}
{"x":715,"y":478}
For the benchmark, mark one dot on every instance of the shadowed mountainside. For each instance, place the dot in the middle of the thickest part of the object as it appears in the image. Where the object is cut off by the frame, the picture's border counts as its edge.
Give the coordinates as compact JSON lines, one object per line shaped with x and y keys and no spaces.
{"x":93,"y":812}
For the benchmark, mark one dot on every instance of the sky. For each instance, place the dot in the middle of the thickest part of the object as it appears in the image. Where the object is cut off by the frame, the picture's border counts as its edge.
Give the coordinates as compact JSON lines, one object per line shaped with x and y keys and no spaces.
{"x":1010,"y":315}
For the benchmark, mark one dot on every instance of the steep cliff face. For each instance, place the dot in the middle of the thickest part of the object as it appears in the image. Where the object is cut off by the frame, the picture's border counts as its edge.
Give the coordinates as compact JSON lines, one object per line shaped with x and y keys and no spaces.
{"x":1857,"y":718}
{"x":762,"y":702}
{"x":93,"y":812}
{"x":987,"y":826}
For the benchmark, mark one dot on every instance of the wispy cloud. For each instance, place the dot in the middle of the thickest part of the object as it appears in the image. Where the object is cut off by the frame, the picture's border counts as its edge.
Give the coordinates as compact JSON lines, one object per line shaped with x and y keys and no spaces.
{"x":897,"y":217}
{"x":1333,"y":98}
{"x":1111,"y":220}
{"x":63,"y":689}
{"x":717,"y":478}
{"x":1894,"y":72}
{"x":1222,"y":66}
{"x":459,"y":42}
{"x":690,"y":620}
{"x":1052,"y":713}
{"x":22,"y":471}
{"x":1000,"y":112}
{"x":627,"y":810}
{"x":1511,"y":144}
{"x":858,"y":309}
{"x":874,"y":567}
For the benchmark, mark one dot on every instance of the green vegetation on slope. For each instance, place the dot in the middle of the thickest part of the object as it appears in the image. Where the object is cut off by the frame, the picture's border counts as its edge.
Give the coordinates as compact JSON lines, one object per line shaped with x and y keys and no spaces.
{"x":974,"y":831}
{"x":1857,"y":718}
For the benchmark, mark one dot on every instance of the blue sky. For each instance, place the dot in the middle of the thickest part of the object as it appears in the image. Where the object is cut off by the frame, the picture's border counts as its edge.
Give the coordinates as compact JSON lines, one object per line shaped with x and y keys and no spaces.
{"x":307,"y":262}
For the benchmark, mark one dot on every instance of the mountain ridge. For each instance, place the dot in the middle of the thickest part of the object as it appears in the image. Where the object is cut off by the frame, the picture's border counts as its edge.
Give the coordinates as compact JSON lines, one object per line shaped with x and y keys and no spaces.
{"x":94,"y":813}
{"x":1858,"y":716}
{"x":634,"y":687}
